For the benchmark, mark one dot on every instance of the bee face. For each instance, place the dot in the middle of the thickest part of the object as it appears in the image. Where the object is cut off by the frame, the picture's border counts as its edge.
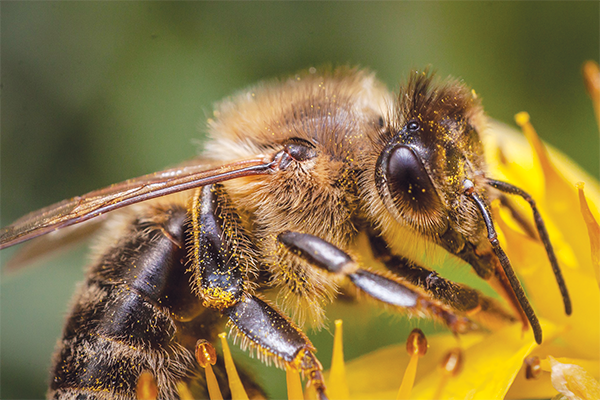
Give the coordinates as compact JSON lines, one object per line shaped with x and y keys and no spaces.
{"x":430,"y":145}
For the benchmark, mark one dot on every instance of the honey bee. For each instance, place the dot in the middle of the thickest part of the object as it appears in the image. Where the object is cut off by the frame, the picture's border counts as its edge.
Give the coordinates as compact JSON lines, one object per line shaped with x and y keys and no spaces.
{"x":296,"y":174}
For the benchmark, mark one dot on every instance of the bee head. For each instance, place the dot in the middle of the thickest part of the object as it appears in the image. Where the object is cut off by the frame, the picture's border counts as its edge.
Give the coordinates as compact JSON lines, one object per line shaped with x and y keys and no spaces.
{"x":430,"y":145}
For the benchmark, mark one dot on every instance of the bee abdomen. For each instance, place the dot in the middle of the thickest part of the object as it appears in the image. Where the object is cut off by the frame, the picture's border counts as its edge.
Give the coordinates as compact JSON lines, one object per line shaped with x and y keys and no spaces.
{"x":123,"y":321}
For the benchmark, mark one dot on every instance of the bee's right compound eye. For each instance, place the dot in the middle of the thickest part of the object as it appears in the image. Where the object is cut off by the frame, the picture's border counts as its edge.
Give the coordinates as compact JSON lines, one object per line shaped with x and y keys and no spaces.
{"x":408,"y":181}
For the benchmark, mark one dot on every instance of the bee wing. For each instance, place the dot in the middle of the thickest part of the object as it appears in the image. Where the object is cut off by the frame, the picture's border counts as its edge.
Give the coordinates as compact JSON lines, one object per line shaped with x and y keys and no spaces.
{"x":46,"y":246}
{"x":98,"y":202}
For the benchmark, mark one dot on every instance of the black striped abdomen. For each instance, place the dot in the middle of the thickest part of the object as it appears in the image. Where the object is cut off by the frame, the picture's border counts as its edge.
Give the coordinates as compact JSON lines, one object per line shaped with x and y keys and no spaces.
{"x":135,"y":312}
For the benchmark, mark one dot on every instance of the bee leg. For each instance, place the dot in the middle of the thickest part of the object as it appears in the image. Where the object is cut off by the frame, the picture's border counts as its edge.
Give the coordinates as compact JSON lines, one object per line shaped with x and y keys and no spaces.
{"x":219,"y":281}
{"x":385,"y":288}
{"x":274,"y":335}
{"x":460,"y":297}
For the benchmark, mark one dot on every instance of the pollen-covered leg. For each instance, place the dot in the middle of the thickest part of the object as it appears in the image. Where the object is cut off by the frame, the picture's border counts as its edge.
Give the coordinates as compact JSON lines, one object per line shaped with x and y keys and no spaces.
{"x":275,"y":338}
{"x":219,"y":281}
{"x":218,"y":272}
{"x":388,"y":289}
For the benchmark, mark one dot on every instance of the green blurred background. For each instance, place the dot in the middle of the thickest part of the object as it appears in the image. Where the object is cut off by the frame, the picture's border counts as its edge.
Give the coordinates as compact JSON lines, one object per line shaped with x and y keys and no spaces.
{"x":95,"y":93}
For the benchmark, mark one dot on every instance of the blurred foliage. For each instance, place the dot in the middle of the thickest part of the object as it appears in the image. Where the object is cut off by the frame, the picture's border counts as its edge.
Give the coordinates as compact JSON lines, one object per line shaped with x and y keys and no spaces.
{"x":95,"y":93}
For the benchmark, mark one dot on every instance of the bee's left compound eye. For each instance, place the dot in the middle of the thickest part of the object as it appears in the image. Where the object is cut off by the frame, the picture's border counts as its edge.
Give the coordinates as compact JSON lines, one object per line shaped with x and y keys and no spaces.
{"x":408,"y":181}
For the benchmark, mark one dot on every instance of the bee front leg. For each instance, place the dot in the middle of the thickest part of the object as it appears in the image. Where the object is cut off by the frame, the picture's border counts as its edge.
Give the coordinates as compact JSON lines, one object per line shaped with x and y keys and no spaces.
{"x":389,"y":289}
{"x":220,"y":281}
{"x":275,"y":337}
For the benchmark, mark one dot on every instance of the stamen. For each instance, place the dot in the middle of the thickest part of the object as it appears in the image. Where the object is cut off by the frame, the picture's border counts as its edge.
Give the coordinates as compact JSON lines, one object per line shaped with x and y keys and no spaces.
{"x":294,"y":385}
{"x":416,"y":346}
{"x":235,"y":384}
{"x":207,"y":357}
{"x":338,"y":387}
{"x":146,"y":388}
{"x":184,"y":391}
{"x":593,"y":231}
{"x":533,"y":367}
{"x":451,"y":366}
{"x":591,"y":77}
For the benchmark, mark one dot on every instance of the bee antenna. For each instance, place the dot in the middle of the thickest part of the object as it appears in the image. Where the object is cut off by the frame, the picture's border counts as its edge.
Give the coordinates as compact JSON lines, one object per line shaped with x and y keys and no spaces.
{"x":545,"y":238}
{"x":504,"y":261}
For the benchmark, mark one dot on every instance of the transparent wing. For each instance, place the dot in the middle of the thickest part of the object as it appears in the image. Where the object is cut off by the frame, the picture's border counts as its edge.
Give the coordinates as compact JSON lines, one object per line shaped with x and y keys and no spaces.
{"x":98,"y":202}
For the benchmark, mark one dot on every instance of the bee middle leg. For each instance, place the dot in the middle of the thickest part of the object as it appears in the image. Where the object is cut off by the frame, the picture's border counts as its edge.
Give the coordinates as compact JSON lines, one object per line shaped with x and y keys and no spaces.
{"x":420,"y":291}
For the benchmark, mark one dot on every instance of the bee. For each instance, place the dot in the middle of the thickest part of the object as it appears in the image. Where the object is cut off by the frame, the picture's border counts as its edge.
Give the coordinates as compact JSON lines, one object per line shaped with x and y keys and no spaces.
{"x":296,"y":174}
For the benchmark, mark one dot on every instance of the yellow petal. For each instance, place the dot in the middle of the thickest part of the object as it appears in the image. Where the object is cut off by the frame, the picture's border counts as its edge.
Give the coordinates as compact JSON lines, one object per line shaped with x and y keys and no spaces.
{"x":593,"y":231}
{"x":591,"y":74}
{"x":490,"y":366}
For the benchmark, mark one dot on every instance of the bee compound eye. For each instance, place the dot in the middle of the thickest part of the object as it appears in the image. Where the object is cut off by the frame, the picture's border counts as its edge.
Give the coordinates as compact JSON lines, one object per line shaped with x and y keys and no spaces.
{"x":408,"y":180}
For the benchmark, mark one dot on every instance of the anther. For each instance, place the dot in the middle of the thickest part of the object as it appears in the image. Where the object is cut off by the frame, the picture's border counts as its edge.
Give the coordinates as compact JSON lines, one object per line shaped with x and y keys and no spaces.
{"x":416,"y":344}
{"x":205,"y":353}
{"x":146,"y":388}
{"x":453,"y":362}
{"x":533,"y":367}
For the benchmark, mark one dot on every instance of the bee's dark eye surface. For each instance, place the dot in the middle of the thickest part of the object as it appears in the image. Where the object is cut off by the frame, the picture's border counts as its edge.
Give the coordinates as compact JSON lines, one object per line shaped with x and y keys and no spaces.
{"x":408,"y":180}
{"x":297,"y":150}
{"x":300,"y":149}
{"x":413,"y":125}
